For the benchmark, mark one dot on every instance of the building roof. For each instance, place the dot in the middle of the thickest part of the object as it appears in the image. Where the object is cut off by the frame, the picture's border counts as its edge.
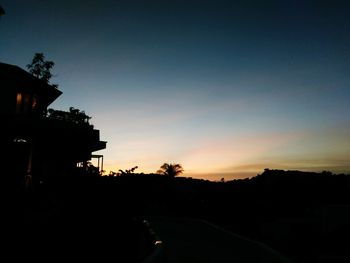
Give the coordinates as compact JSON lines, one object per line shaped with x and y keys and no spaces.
{"x":14,"y":77}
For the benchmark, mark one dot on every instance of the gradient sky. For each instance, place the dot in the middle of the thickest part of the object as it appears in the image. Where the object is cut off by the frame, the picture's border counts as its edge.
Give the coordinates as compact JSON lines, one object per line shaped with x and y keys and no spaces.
{"x":225,"y":88}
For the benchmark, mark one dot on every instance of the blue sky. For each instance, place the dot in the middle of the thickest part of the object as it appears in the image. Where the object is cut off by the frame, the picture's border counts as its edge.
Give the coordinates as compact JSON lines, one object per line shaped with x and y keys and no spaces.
{"x":226,"y":88}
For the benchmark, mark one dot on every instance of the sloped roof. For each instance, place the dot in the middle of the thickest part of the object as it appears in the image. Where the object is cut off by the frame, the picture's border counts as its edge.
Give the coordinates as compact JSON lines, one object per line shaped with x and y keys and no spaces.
{"x":14,"y":77}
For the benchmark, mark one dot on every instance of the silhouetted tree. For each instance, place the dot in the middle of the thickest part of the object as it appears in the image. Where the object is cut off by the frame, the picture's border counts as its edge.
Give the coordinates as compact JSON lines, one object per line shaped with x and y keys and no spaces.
{"x":170,"y":169}
{"x":41,"y":68}
{"x":130,"y":171}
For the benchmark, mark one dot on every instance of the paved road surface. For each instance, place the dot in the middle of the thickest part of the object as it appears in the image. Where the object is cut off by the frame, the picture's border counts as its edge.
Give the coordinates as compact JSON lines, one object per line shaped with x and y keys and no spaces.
{"x":196,"y":241}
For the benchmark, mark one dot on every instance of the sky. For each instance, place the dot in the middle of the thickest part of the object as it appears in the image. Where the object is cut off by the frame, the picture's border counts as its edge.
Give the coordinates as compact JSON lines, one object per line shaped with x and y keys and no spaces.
{"x":225,"y":88}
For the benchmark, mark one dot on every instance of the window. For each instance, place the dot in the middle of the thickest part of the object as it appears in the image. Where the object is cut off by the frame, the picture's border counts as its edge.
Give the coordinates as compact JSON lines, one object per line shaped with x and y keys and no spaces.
{"x":25,"y":103}
{"x":19,"y":103}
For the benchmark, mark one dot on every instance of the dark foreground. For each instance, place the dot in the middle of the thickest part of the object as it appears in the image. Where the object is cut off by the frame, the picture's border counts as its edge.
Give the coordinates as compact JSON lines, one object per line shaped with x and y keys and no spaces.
{"x":302,"y":217}
{"x":79,"y":220}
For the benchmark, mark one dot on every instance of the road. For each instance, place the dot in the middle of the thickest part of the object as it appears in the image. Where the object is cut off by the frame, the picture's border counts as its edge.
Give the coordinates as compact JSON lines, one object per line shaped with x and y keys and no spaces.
{"x":197,"y":241}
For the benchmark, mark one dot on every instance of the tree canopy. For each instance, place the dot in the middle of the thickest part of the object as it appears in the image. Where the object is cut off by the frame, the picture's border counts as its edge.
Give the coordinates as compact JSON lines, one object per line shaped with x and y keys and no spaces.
{"x":41,"y":68}
{"x":171,"y":169}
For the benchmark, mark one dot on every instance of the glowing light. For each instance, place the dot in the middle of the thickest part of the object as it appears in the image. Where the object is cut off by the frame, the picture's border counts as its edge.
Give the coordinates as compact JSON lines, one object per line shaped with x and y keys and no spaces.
{"x":18,"y":102}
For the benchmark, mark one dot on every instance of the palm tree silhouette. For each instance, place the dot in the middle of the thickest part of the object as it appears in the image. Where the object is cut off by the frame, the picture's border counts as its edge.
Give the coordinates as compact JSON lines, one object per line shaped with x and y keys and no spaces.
{"x":170,"y":169}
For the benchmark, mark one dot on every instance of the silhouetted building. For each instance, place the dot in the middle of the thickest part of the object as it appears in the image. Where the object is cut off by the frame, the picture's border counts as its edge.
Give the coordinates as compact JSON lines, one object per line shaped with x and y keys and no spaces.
{"x":34,"y":143}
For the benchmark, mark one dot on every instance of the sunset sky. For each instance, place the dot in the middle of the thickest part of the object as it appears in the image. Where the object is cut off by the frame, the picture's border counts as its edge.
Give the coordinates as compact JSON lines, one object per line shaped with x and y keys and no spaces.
{"x":225,"y":88}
